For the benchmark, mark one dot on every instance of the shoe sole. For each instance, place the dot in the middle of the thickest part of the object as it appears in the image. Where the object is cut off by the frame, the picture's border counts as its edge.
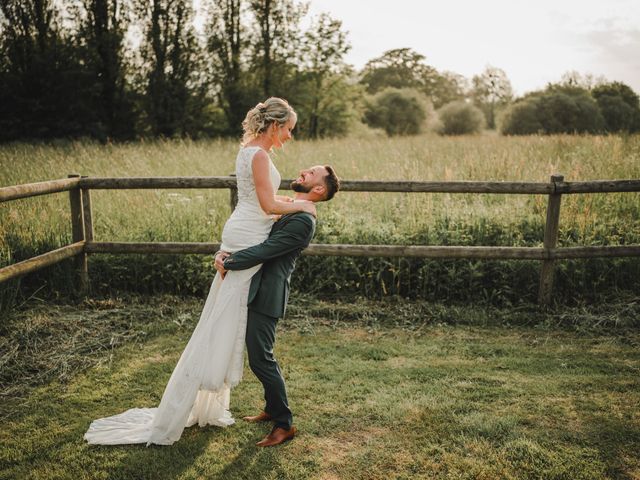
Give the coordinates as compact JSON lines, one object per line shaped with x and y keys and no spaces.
{"x":253,"y":420}
{"x":295,"y":432}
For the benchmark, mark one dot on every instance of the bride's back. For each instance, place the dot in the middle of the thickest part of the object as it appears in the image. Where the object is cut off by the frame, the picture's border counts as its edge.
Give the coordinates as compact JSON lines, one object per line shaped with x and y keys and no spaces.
{"x":248,"y":225}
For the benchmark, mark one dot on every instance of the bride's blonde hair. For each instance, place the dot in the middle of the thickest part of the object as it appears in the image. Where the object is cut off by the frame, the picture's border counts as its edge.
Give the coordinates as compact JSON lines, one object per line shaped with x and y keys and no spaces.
{"x":260,"y":117}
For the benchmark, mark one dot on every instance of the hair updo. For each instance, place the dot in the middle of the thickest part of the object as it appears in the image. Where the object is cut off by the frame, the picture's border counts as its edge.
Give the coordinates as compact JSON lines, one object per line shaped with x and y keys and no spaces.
{"x":260,"y":117}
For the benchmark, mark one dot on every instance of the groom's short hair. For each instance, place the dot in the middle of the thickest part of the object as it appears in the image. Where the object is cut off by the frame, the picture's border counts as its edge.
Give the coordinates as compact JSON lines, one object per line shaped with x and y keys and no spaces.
{"x":331,"y":183}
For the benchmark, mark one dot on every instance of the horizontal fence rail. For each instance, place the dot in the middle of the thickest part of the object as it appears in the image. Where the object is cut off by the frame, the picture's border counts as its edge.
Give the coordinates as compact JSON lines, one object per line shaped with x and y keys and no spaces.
{"x":41,"y":261}
{"x":348,"y":250}
{"x":83,"y":236}
{"x":595,"y":186}
{"x":35,"y":189}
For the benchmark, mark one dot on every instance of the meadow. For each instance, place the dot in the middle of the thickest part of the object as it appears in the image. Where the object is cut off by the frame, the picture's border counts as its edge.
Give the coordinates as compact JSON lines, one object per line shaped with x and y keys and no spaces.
{"x":466,"y":379}
{"x":31,"y":226}
{"x":379,"y":390}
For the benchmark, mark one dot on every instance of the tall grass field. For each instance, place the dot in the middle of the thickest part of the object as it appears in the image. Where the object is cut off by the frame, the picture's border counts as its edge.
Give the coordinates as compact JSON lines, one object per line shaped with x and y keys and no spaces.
{"x":35,"y":225}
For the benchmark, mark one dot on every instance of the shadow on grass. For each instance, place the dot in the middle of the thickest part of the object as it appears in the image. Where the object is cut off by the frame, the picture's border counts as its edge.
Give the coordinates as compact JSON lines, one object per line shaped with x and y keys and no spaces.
{"x":203,"y":453}
{"x":255,"y":463}
{"x":617,"y":438}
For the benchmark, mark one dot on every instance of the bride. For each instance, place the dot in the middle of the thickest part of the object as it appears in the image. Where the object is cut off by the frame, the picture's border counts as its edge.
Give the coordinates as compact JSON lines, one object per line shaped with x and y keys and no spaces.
{"x":212,"y":362}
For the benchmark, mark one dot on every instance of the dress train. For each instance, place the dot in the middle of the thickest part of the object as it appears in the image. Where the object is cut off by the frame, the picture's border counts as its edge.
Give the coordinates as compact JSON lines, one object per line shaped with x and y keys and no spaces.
{"x":199,"y":388}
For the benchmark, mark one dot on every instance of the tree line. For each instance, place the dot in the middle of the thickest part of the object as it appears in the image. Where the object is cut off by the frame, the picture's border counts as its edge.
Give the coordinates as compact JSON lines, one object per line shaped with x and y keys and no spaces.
{"x":123,"y":69}
{"x":127,"y":69}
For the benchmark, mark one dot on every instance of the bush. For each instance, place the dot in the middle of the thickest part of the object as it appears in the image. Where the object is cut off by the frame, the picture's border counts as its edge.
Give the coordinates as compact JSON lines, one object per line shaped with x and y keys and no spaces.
{"x":460,"y":117}
{"x":521,"y":118}
{"x":619,"y":105}
{"x":553,"y":111}
{"x":618,"y":116}
{"x":399,"y":111}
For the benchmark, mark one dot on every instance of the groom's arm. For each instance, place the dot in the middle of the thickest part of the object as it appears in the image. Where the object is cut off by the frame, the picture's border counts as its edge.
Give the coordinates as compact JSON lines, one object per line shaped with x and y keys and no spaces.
{"x":296,"y":234}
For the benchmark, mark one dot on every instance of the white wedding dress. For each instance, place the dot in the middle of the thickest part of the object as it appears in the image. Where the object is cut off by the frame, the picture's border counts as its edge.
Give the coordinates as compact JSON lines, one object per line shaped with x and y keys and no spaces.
{"x":212,"y":362}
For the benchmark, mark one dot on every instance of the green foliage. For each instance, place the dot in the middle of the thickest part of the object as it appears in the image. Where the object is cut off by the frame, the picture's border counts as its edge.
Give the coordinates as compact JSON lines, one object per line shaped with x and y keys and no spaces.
{"x":397,"y":111}
{"x":170,"y":55}
{"x":327,"y":106}
{"x":404,"y":68}
{"x":45,"y":91}
{"x":521,"y":118}
{"x":491,"y":92}
{"x":278,"y":28}
{"x":99,"y":39}
{"x":324,"y":94}
{"x":619,"y":105}
{"x":556,"y":110}
{"x":399,"y":68}
{"x":447,"y":87}
{"x":77,"y":76}
{"x":570,"y":107}
{"x":460,"y":118}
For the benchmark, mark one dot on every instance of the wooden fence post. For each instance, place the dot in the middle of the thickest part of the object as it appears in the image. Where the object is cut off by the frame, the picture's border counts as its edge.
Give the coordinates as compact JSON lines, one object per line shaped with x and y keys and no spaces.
{"x":87,"y":213}
{"x":550,"y":241}
{"x":233,"y":195}
{"x":77,"y":232}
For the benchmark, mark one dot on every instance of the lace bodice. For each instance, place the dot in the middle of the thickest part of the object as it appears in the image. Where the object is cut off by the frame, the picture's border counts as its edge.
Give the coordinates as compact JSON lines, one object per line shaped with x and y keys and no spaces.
{"x":248,"y":224}
{"x":247,"y":197}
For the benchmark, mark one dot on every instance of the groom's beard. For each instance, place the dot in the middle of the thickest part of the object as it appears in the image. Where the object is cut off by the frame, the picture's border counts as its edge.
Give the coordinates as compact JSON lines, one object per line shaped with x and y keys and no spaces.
{"x":300,"y":188}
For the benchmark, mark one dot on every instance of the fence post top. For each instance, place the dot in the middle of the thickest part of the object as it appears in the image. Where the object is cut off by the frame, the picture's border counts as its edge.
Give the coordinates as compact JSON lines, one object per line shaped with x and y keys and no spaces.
{"x":557,"y":177}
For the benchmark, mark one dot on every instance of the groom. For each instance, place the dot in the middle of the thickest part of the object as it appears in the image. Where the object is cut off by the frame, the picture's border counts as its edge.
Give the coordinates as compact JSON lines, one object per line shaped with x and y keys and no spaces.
{"x":269,"y":292}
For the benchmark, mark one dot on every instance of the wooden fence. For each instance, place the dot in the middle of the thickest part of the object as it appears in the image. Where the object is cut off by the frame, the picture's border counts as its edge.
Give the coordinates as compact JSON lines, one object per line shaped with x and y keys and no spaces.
{"x":79,"y":188}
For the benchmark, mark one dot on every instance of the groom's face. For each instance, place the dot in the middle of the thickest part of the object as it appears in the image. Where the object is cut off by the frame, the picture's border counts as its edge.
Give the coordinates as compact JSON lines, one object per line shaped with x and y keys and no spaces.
{"x":309,"y":178}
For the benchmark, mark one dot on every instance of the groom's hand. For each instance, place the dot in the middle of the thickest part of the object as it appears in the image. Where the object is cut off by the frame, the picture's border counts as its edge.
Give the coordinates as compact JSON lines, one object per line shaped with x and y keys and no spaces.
{"x":219,"y":262}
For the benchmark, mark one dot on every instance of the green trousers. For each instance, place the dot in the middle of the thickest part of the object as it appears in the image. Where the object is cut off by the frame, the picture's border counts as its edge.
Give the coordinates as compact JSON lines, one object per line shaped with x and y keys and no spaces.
{"x":261,"y":333}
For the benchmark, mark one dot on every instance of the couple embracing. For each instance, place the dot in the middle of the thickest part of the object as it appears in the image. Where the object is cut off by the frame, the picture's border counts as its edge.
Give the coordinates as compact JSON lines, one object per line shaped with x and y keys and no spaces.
{"x":247,"y":297}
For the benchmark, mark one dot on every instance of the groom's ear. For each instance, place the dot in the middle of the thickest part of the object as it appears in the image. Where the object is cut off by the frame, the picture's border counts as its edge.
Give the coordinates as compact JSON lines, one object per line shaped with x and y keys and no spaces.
{"x":320,"y":190}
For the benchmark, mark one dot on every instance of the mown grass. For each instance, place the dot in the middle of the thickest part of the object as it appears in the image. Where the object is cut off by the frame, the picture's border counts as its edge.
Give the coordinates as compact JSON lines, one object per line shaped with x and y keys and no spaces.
{"x":375,"y":396}
{"x":35,"y":225}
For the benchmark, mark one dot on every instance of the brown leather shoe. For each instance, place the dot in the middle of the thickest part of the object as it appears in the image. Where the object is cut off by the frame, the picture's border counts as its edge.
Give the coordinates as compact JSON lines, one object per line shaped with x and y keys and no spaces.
{"x":262,"y":417}
{"x":277,"y":436}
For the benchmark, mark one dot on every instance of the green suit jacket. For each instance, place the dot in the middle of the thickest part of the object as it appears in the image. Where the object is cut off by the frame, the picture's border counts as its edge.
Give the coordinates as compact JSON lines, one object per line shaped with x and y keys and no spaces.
{"x":269,"y":290}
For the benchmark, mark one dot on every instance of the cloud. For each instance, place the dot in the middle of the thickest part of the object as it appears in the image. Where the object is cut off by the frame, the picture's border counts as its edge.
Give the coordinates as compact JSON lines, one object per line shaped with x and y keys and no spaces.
{"x":616,"y":50}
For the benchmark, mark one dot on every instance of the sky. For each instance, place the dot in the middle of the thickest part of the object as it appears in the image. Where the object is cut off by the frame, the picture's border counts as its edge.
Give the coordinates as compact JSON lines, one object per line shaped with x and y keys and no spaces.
{"x":534,"y":42}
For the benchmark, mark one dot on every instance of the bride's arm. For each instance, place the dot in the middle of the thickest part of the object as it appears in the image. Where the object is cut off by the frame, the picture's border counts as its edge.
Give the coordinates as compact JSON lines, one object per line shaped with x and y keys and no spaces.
{"x":264,"y":190}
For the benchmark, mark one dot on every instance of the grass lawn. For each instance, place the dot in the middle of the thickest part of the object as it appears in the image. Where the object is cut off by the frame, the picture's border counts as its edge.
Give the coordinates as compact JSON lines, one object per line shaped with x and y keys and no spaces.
{"x":372,"y":400}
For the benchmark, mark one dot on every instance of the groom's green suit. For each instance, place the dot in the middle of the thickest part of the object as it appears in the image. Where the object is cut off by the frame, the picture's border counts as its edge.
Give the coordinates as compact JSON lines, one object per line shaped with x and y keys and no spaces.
{"x":268,"y":295}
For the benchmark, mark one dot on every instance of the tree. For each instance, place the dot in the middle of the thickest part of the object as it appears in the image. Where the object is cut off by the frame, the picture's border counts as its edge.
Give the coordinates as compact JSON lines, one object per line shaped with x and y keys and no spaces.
{"x":397,"y":111}
{"x":398,"y":68}
{"x":43,"y":86}
{"x":564,"y":113}
{"x":226,"y":43}
{"x":491,"y":91}
{"x":620,"y":106}
{"x":277,"y":40}
{"x":102,"y":25}
{"x":576,"y":79}
{"x":554,"y":110}
{"x":448,"y":87}
{"x":322,"y":69}
{"x":170,"y":55}
{"x":406,"y":68}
